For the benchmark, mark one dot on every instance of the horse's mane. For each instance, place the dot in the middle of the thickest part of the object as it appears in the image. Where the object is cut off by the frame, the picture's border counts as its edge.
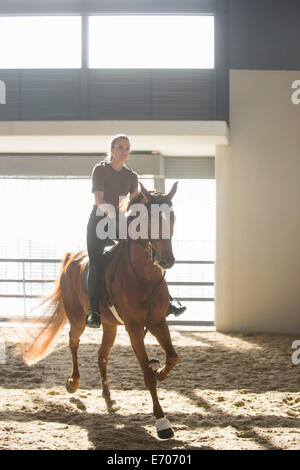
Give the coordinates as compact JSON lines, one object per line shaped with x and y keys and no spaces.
{"x":139,"y":198}
{"x":136,"y":199}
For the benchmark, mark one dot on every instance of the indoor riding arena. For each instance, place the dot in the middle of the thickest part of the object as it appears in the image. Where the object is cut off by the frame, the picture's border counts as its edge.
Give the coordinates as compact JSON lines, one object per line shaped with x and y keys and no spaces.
{"x":194,"y":344}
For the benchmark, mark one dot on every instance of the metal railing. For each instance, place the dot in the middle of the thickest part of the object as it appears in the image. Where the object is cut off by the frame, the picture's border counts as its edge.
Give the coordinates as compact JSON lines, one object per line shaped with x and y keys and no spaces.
{"x":25,"y":281}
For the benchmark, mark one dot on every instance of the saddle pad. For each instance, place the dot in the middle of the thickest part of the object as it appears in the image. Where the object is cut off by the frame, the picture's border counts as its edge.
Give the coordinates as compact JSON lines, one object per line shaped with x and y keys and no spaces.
{"x":84,"y":278}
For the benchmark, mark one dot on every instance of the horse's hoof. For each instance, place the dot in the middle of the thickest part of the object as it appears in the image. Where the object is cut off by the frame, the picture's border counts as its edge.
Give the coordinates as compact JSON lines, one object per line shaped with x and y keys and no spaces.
{"x":164,"y":429}
{"x":165,"y":433}
{"x":112,"y":406}
{"x":69,"y":388}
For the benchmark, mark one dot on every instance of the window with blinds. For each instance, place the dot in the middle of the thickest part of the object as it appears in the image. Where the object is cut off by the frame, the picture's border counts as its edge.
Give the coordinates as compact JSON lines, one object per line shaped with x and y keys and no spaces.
{"x":40,"y":42}
{"x":151,"y":42}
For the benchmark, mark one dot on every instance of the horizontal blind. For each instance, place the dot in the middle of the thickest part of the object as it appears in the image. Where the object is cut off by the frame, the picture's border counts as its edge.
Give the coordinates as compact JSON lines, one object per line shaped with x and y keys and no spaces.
{"x":190,"y":167}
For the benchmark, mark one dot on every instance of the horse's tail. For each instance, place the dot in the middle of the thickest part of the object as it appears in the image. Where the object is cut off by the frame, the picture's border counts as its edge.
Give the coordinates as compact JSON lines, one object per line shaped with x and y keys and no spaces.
{"x":40,"y":341}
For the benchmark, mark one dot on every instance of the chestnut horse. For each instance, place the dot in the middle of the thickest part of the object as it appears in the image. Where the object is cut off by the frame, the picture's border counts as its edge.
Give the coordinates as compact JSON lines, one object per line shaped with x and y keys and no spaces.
{"x":138,"y":297}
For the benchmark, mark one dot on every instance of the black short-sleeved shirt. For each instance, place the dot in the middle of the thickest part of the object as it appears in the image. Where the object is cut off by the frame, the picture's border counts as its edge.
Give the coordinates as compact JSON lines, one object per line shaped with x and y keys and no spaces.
{"x":113,"y":183}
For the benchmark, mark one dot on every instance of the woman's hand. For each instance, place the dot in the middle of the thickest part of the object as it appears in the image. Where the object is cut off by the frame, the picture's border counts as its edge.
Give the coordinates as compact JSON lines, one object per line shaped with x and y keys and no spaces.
{"x":108,"y":210}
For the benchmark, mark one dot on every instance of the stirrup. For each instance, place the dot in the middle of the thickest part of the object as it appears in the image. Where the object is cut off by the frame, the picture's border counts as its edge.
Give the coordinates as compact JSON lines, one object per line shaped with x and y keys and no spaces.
{"x":176,"y":311}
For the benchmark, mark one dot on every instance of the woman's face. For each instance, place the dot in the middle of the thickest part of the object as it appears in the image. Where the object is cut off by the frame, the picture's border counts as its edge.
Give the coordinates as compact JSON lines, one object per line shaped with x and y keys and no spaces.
{"x":120,"y":150}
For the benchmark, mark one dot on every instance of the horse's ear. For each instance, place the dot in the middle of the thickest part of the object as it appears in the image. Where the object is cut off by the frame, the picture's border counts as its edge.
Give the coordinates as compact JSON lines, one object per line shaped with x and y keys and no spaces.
{"x":145,"y":193}
{"x":173,"y":191}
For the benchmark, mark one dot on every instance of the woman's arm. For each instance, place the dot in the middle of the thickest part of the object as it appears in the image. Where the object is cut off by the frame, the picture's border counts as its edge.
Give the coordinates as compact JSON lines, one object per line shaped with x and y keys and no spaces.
{"x":104,"y":206}
{"x":99,"y":195}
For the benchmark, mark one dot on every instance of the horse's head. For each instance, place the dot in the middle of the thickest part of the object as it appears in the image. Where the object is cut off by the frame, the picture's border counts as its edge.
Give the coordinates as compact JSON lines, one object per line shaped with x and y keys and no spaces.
{"x":157,"y":224}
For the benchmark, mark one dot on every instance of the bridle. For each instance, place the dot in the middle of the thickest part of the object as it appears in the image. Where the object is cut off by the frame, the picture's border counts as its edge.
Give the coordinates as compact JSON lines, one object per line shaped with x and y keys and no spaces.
{"x":148,"y":246}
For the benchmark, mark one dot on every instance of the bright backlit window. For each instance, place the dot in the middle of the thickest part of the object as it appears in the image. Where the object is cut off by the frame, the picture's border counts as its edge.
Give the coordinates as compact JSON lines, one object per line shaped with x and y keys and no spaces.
{"x":53,"y":218}
{"x":181,"y":42}
{"x":194,"y":240}
{"x":40,"y":42}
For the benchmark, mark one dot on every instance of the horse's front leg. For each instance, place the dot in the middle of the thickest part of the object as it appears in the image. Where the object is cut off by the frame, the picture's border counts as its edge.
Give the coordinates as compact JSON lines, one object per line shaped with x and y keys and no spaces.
{"x":108,"y":339}
{"x":162,"y":333}
{"x":136,"y":335}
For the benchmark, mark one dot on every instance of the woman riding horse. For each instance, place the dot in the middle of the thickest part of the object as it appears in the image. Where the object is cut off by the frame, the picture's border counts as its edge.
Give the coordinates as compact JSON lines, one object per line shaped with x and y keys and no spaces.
{"x":110,"y":181}
{"x":136,"y":295}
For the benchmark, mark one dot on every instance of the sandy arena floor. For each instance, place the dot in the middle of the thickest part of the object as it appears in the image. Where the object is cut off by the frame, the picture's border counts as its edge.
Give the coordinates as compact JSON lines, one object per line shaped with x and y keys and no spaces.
{"x":227,"y":392}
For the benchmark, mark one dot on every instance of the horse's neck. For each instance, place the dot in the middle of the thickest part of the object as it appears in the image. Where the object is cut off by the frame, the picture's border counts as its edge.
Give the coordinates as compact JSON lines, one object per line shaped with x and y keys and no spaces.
{"x":142,"y":262}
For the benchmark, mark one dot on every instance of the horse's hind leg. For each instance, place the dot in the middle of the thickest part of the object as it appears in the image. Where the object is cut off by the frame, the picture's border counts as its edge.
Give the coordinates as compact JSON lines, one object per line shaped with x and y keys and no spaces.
{"x":76,"y":318}
{"x":76,"y":331}
{"x":108,"y":339}
{"x":162,"y":334}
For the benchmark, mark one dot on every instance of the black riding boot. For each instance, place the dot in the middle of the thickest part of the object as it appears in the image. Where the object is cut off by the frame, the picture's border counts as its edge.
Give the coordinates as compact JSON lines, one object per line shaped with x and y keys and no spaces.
{"x":93,"y":318}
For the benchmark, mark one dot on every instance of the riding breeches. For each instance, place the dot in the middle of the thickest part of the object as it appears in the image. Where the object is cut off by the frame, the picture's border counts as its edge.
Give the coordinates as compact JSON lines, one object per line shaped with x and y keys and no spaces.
{"x":95,"y":246}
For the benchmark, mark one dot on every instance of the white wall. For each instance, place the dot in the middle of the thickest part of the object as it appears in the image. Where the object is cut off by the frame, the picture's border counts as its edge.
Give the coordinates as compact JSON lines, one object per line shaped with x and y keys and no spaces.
{"x":258,"y":207}
{"x":169,"y":138}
